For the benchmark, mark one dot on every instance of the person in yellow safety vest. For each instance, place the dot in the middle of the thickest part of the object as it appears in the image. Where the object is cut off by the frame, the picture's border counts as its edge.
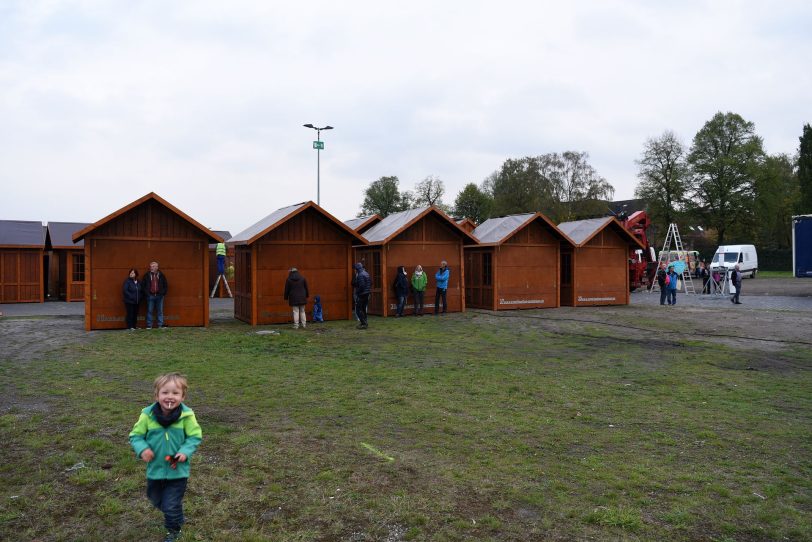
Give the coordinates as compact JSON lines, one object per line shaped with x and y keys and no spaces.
{"x":221,"y":258}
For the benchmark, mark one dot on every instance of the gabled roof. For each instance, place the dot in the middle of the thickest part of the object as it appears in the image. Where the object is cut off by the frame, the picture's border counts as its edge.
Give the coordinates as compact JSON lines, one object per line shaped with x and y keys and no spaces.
{"x":394,"y":224}
{"x":363,"y":222}
{"x":581,"y":232}
{"x":226,"y":235}
{"x":466,"y":223}
{"x":21,"y":233}
{"x":60,"y":234}
{"x":496,"y":231}
{"x":151,"y":196}
{"x":280,"y":216}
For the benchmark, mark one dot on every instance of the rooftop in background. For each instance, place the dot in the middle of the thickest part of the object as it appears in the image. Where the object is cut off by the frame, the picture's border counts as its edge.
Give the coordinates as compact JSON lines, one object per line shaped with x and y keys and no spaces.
{"x":22,"y":233}
{"x":495,"y":230}
{"x":581,"y":231}
{"x":60,"y":234}
{"x":627,"y":206}
{"x":394,"y":224}
{"x":363,"y":223}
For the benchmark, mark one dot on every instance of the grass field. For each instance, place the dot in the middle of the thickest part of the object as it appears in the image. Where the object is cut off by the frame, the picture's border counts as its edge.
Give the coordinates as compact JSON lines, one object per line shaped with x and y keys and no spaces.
{"x":466,"y":427}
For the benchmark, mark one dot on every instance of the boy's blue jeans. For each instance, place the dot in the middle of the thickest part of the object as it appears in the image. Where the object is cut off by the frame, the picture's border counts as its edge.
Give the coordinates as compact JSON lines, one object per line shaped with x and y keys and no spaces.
{"x":167,"y":496}
{"x":155,"y":302}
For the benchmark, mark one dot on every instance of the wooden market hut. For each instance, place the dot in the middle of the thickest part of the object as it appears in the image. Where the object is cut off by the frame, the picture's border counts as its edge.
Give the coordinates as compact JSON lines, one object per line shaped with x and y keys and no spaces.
{"x":232,"y":279}
{"x":595,"y":262}
{"x":363,"y":223}
{"x":22,"y":249}
{"x":304,"y":236}
{"x":515,"y":265}
{"x":148,"y":229}
{"x":467,"y":224}
{"x":66,"y":261}
{"x":418,"y":236}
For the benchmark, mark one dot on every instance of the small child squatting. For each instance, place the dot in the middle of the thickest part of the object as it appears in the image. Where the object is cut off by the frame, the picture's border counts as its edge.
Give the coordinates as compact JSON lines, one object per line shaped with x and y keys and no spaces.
{"x":165,"y":437}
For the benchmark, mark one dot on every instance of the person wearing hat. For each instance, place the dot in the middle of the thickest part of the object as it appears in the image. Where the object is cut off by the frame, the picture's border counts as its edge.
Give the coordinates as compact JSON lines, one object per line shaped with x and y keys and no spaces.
{"x":671,"y":285}
{"x":296,"y":294}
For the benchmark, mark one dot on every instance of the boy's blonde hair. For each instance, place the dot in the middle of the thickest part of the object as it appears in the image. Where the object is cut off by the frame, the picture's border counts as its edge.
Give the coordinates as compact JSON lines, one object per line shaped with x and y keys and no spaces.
{"x":177,"y":378}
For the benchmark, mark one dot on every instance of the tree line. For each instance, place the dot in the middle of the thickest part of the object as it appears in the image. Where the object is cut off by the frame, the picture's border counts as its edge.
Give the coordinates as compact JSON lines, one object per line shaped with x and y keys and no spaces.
{"x":724,"y":182}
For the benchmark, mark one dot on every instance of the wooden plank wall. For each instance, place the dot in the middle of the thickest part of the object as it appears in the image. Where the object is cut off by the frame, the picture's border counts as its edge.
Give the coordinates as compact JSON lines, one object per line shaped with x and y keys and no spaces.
{"x":21,"y":276}
{"x":527,"y":270}
{"x":600,"y":271}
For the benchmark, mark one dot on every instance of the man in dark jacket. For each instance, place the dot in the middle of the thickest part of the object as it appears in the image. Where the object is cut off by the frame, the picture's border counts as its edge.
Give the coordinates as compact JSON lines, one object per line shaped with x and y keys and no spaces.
{"x":296,"y":293}
{"x":362,"y":286}
{"x":155,"y":288}
{"x":661,"y":274}
{"x":736,"y":280}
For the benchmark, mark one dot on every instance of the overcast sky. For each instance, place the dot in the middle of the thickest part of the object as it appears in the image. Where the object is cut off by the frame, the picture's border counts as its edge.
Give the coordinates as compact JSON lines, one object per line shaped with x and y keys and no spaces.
{"x":203,"y":102}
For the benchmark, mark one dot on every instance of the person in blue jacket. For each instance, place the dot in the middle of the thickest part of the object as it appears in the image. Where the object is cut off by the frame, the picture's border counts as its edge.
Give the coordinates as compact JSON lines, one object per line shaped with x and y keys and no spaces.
{"x":671,"y":287}
{"x":441,"y":276}
{"x":132,"y":298}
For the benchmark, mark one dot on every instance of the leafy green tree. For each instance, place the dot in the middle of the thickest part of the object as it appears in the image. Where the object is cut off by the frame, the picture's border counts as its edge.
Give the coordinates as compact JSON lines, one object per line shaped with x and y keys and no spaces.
{"x":382,"y":197}
{"x":805,"y":171}
{"x":663,"y":172}
{"x":777,"y":193}
{"x":520,"y":187}
{"x":724,"y":158}
{"x":474,"y":203}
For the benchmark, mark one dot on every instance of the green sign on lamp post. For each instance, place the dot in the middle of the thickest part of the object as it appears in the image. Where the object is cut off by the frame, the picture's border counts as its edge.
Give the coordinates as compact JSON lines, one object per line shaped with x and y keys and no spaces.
{"x":319,"y":146}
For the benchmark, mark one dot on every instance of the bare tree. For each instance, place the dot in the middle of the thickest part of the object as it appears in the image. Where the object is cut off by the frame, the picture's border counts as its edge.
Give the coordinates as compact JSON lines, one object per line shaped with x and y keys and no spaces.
{"x":428,"y":192}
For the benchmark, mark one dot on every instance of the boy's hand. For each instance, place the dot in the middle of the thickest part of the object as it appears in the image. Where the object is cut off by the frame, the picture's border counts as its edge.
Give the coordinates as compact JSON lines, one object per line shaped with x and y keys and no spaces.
{"x":180,"y":457}
{"x":147,"y":455}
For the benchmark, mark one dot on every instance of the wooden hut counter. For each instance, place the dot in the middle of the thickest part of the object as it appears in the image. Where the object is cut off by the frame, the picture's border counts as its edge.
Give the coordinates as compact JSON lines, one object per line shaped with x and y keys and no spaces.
{"x":594,"y":263}
{"x":516,"y":264}
{"x":22,"y":246}
{"x":424,"y":236}
{"x":304,"y":236}
{"x":148,"y":229}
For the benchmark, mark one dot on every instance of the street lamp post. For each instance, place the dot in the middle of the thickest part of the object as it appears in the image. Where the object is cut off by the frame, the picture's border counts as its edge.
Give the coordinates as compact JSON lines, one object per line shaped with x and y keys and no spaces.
{"x":318,"y":145}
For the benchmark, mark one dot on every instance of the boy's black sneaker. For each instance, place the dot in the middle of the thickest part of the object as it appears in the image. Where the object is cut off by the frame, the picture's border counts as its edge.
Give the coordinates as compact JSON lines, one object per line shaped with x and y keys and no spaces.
{"x":172,"y":536}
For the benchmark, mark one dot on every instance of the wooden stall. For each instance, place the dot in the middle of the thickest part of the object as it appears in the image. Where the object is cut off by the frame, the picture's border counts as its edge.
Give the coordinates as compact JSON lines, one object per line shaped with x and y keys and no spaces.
{"x":66,"y":261}
{"x":418,"y":236}
{"x":22,"y":249}
{"x":363,"y":223}
{"x":148,"y":229}
{"x":515,"y":265}
{"x":594,"y":263}
{"x":467,"y":224}
{"x":230,"y":260}
{"x":304,"y":236}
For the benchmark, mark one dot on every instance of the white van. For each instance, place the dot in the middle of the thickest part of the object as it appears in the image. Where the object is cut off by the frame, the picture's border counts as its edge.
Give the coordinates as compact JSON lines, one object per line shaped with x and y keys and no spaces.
{"x":728,"y":256}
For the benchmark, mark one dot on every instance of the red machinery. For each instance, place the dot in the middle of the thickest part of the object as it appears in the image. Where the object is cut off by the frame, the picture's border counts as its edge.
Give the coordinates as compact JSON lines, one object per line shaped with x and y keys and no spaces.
{"x":642,"y":263}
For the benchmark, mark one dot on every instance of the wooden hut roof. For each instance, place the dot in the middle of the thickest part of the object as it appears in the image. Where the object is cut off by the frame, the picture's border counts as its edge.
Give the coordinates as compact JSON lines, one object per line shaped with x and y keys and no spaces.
{"x":280,"y":216}
{"x":226,"y":235}
{"x":362,"y":222}
{"x":60,"y":235}
{"x":79,"y":235}
{"x":496,"y":231}
{"x":394,"y":224}
{"x":581,"y":232}
{"x":21,"y":233}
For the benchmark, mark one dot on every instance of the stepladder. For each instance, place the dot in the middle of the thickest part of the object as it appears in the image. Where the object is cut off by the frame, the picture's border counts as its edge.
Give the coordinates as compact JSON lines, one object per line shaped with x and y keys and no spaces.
{"x":680,"y":259}
{"x":217,"y":283}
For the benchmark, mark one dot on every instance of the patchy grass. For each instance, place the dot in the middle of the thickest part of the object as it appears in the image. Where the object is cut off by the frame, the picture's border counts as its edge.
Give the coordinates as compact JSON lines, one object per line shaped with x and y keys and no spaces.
{"x":465,"y":427}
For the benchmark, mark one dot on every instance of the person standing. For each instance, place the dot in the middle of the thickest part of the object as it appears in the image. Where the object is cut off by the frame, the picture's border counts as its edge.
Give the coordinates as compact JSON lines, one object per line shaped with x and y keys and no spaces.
{"x":220,"y":251}
{"x":441,"y":276}
{"x":132,"y":298}
{"x":419,"y":282}
{"x":296,"y":294}
{"x":736,"y":280}
{"x":401,"y":286}
{"x":154,"y":289}
{"x":362,"y":286}
{"x":671,"y":285}
{"x":662,"y":274}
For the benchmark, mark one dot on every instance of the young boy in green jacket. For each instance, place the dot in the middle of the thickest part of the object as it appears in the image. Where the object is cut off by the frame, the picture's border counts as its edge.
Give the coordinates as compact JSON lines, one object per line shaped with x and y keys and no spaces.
{"x":419,"y":281}
{"x":165,"y":437}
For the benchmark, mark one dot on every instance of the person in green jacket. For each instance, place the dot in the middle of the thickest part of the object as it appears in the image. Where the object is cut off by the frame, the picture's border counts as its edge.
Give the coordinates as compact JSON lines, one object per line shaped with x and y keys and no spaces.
{"x":419,"y":281}
{"x":165,"y":437}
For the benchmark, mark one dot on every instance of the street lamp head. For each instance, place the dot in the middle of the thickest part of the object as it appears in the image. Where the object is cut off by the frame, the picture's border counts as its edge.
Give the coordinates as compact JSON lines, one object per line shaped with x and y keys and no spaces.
{"x":327,"y":128}
{"x":309,"y":126}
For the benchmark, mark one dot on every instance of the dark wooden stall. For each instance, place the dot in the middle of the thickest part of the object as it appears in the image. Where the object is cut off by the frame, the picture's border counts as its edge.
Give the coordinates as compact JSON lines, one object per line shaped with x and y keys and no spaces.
{"x":363,"y":223}
{"x":304,"y":236}
{"x":22,"y":249}
{"x":418,"y":236}
{"x":594,"y":263}
{"x":148,"y":229}
{"x":230,"y":261}
{"x":66,"y":267}
{"x":515,"y":265}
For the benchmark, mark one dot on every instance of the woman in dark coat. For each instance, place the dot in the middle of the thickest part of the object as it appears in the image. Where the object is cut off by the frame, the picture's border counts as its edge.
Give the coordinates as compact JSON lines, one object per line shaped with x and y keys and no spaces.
{"x":296,"y":293}
{"x":401,"y":286}
{"x":132,"y":298}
